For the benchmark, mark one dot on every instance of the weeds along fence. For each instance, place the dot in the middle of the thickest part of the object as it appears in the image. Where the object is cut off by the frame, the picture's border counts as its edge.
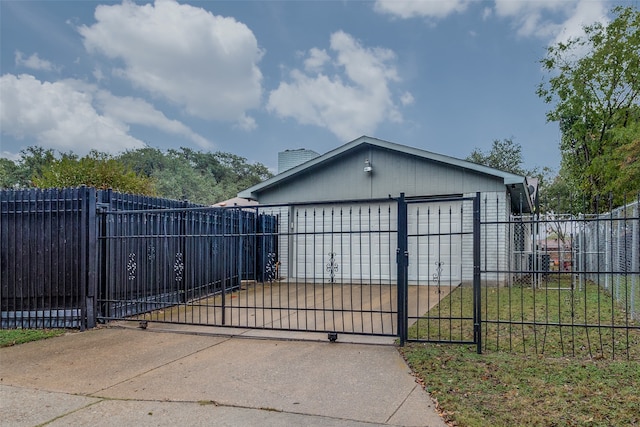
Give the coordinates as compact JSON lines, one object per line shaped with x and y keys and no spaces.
{"x":569,"y":285}
{"x":69,"y":257}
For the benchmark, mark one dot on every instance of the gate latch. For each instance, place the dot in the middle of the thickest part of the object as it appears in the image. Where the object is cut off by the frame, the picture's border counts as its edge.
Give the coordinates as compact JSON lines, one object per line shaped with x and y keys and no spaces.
{"x":399,"y":257}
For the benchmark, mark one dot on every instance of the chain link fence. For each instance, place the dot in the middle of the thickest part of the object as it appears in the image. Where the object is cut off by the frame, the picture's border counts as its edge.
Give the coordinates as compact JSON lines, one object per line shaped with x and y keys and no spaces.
{"x":570,"y":285}
{"x":608,"y":251}
{"x":602,"y":249}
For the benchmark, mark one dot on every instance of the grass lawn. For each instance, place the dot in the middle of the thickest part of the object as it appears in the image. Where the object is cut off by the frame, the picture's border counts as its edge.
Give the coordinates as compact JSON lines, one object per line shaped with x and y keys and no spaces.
{"x":555,"y":320}
{"x":505,"y":389}
{"x":9,"y":337}
{"x":561,"y":365}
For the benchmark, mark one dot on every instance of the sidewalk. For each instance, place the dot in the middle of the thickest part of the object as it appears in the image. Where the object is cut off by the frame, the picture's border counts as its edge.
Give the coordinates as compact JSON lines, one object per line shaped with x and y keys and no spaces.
{"x":125,"y":376}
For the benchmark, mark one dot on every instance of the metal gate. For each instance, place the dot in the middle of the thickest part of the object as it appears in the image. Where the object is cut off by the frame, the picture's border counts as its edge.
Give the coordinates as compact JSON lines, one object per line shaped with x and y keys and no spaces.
{"x":161,"y":260}
{"x":440,"y":247}
{"x":323,"y":267}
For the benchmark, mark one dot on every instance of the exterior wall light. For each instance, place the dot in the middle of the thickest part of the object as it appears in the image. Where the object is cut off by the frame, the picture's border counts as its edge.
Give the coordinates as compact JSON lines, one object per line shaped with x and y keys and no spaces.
{"x":367,"y":166}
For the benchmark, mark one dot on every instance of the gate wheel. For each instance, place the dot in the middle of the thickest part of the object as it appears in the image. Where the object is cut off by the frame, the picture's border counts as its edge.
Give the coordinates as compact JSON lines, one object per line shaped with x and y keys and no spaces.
{"x":333,"y":336}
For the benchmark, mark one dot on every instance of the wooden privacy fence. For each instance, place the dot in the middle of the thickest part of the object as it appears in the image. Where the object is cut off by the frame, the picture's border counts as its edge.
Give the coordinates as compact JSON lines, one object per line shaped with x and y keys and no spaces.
{"x":68,"y":256}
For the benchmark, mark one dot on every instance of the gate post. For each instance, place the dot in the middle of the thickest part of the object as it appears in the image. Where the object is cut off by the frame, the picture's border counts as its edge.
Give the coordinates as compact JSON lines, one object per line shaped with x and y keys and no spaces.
{"x":90,"y":207}
{"x":477,"y":314}
{"x":86,"y":223}
{"x":402,"y":260}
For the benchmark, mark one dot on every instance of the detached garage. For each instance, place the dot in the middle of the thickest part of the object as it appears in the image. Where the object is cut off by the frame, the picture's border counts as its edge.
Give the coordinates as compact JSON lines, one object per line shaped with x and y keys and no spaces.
{"x":338,"y":215}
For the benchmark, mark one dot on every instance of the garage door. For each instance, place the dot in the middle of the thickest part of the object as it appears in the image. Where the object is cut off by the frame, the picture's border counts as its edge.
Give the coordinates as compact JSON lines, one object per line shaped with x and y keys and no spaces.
{"x":357,"y":242}
{"x":435,"y":240}
{"x":347,"y":243}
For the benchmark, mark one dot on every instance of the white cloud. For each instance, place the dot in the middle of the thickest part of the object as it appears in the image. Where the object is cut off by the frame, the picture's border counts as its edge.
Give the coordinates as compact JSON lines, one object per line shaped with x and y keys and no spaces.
{"x":202,"y":62}
{"x":98,"y":74}
{"x":551,"y":20}
{"x":585,"y":13}
{"x":58,"y":116}
{"x":138,"y":111}
{"x":316,"y":60}
{"x":428,"y":9}
{"x":10,"y":156}
{"x":71,"y":115}
{"x":246,"y":123}
{"x":407,"y":99}
{"x":34,"y":62}
{"x":351,"y":102}
{"x":532,"y":18}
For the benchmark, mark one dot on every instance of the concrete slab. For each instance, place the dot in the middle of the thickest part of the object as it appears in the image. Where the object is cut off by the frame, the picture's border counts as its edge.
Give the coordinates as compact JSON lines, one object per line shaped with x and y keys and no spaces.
{"x":356,"y":382}
{"x":411,"y":412}
{"x":28,"y":407}
{"x":111,"y":413}
{"x":120,"y":376}
{"x":90,"y":361}
{"x":359,"y":308}
{"x":273,"y":334}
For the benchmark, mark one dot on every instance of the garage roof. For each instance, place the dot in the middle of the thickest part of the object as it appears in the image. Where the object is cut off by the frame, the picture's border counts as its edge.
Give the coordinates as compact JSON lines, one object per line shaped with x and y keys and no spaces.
{"x":516,"y":185}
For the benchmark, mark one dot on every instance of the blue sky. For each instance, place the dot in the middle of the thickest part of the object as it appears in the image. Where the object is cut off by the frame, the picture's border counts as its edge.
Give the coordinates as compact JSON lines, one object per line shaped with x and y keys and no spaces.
{"x":257,"y":77}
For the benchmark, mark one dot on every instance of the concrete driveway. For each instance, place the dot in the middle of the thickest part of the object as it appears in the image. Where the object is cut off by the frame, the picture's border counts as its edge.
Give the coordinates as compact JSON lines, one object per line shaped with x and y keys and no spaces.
{"x":349,"y":307}
{"x":119,"y":376}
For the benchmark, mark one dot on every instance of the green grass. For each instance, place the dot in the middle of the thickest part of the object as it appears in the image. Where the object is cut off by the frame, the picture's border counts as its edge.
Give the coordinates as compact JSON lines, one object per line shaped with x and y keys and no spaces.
{"x":9,"y":337}
{"x":553,"y":319}
{"x":506,"y":389}
{"x":579,"y":372}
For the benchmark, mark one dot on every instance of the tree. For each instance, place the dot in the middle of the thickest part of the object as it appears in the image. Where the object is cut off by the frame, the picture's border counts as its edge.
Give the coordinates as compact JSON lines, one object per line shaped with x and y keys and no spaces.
{"x":33,"y":160}
{"x":505,"y":155}
{"x":558,"y":196}
{"x":200,"y":177}
{"x":230,"y":171}
{"x":146,"y":161}
{"x":626,"y":158}
{"x":180,"y":180}
{"x":9,"y":174}
{"x":98,"y":170}
{"x":183,"y":174}
{"x":595,"y":90}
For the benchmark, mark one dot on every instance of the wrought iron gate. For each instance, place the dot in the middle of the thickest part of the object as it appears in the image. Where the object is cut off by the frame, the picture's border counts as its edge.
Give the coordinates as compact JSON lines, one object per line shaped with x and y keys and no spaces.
{"x":71,"y":257}
{"x":155,"y":260}
{"x":439,"y":246}
{"x":380,"y":267}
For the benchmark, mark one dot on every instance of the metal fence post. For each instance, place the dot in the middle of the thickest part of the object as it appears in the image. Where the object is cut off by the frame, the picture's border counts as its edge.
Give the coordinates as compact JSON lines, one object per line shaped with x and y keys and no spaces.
{"x":635,"y":260}
{"x":91,"y":259}
{"x":477,"y":294}
{"x":402,"y":260}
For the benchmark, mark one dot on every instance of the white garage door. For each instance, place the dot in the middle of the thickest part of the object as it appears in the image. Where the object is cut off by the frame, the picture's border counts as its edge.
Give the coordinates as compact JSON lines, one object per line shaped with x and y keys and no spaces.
{"x":345,"y":243}
{"x":435,"y":241}
{"x":357,"y":242}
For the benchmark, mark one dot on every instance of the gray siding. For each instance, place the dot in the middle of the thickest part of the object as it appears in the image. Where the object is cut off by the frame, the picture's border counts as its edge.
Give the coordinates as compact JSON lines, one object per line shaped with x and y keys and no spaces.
{"x":344,"y":179}
{"x":493,"y":207}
